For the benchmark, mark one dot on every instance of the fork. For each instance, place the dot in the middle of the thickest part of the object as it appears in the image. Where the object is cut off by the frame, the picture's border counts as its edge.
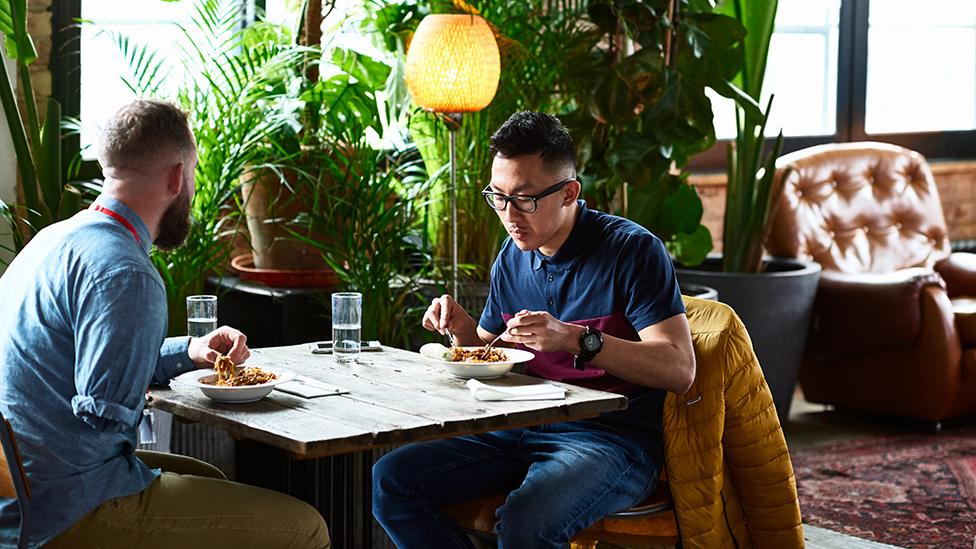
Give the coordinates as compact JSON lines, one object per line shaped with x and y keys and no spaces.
{"x":484,"y":352}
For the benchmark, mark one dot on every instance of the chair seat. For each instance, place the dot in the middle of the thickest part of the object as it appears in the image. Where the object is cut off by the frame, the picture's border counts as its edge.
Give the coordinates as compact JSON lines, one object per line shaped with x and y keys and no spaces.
{"x":652,"y":521}
{"x":964,"y":311}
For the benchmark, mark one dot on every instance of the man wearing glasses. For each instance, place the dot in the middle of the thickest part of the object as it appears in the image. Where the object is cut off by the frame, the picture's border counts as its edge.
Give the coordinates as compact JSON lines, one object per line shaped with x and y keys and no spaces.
{"x":595,"y":297}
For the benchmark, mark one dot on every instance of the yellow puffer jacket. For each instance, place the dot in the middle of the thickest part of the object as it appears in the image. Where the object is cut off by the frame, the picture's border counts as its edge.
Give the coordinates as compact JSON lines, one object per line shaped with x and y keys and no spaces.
{"x":729,"y":469}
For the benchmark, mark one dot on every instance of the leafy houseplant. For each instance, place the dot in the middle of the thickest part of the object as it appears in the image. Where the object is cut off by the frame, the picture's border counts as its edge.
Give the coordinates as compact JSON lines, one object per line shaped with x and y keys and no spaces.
{"x":627,"y":77}
{"x":753,"y":189}
{"x":641,"y":110}
{"x":228,"y":86}
{"x":47,"y":198}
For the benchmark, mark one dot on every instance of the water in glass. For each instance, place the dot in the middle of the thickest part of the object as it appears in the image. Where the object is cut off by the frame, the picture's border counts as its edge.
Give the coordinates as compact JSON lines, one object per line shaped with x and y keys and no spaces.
{"x":198,"y":327}
{"x":345,"y":341}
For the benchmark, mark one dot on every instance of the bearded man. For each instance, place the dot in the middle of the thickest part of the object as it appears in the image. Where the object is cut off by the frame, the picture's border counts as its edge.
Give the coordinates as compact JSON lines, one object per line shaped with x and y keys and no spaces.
{"x":82,"y":332}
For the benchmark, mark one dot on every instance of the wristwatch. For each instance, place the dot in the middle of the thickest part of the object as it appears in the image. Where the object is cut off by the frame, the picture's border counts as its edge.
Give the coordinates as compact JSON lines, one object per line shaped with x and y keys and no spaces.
{"x":591,"y":342}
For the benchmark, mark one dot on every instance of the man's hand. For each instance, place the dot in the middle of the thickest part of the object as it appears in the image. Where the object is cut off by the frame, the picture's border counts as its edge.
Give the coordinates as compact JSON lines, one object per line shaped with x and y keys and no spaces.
{"x":540,"y":331}
{"x":446,"y":315}
{"x":225,"y":340}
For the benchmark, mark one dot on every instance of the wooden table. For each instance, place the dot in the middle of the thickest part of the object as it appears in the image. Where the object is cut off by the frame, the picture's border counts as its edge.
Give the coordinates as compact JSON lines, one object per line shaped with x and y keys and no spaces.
{"x":395,"y":397}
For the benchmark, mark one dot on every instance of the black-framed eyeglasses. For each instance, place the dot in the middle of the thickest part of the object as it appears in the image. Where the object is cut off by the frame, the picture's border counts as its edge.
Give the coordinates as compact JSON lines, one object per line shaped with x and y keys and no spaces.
{"x":521,"y":202}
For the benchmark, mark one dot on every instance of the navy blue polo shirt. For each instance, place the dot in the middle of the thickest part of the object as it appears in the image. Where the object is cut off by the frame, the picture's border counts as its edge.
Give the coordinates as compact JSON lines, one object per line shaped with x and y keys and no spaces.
{"x":611,"y":274}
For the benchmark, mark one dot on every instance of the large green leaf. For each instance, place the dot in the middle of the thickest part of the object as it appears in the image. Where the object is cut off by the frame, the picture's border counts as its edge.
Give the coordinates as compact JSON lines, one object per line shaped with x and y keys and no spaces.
{"x":759,"y":18}
{"x":49,"y":159}
{"x":13,"y":26}
{"x":691,"y":249}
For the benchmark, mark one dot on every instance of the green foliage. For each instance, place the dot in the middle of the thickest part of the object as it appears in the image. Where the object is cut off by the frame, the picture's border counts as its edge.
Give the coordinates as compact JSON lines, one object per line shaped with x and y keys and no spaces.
{"x":535,"y":38}
{"x":232,"y":91}
{"x":753,"y":189}
{"x":601,"y":66}
{"x":365,"y":211}
{"x":37,"y":146}
{"x":641,"y":112}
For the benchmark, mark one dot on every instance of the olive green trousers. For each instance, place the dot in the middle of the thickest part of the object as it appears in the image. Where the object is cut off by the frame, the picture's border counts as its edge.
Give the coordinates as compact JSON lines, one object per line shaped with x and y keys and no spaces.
{"x":193,"y":505}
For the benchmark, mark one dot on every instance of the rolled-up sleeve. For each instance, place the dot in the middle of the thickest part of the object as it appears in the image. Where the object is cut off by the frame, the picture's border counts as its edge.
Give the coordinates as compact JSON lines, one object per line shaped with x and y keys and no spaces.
{"x":119,"y":327}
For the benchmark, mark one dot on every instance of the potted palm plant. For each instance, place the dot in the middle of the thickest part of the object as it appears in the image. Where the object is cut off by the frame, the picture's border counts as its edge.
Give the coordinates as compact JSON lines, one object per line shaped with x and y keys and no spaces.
{"x":229,"y":83}
{"x":773,"y":296}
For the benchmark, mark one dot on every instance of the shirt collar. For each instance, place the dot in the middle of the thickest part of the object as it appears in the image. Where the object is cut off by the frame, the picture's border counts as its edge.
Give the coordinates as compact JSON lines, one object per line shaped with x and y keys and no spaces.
{"x":569,"y":252}
{"x":117,"y":206}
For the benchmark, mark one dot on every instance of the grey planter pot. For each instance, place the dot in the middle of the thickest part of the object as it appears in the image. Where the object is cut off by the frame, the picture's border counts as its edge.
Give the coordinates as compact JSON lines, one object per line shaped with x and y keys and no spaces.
{"x":775,"y":306}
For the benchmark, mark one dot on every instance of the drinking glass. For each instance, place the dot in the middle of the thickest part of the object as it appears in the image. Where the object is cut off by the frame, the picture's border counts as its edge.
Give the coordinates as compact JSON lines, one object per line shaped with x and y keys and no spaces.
{"x":201,"y":315}
{"x":347,"y":311}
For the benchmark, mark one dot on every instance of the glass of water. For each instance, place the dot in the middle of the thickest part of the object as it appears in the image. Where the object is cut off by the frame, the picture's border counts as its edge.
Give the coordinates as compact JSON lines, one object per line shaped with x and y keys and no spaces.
{"x":201,"y":315}
{"x":347,"y":311}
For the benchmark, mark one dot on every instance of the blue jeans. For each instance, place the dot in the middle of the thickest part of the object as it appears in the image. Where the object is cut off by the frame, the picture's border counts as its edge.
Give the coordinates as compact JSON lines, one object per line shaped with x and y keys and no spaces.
{"x":561,"y":478}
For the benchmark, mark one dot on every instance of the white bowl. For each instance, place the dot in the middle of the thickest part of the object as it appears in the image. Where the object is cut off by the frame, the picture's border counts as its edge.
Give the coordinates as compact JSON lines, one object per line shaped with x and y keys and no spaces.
{"x":437,"y":353}
{"x":239,"y":394}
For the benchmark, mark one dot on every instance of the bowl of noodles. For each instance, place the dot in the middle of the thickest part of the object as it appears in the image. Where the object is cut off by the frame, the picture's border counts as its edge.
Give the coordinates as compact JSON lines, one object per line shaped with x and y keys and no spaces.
{"x":472,"y":362}
{"x":228,"y":382}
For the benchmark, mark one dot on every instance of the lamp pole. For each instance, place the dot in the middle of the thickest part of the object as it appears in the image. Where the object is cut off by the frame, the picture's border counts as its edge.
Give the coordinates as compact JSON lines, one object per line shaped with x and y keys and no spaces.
{"x":452,"y":128}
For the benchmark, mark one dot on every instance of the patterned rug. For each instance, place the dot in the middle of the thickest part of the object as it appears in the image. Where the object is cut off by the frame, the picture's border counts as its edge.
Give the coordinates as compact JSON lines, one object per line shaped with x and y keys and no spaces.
{"x":906,"y":490}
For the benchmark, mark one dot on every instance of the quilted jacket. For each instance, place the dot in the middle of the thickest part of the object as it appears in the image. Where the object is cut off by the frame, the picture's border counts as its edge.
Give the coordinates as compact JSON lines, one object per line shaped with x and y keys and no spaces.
{"x":729,"y":469}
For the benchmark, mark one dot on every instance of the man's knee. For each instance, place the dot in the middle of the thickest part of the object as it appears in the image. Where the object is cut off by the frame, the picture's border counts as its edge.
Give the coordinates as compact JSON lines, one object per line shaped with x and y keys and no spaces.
{"x":315,"y":531}
{"x":388,"y":480}
{"x":527,"y":520}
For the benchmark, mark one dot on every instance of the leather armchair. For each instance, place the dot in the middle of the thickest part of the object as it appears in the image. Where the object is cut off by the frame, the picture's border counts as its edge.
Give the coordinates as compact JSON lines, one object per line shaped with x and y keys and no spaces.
{"x":894,"y":322}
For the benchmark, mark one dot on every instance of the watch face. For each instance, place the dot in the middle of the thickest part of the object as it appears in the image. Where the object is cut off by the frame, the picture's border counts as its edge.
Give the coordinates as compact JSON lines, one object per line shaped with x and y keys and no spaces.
{"x":591,"y":342}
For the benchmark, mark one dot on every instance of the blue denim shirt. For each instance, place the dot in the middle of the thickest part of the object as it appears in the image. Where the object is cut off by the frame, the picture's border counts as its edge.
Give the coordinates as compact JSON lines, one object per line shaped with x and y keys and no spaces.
{"x":82,"y":326}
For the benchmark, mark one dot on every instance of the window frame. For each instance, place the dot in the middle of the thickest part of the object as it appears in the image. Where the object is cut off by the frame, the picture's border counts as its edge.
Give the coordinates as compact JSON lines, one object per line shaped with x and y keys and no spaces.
{"x":852,"y":64}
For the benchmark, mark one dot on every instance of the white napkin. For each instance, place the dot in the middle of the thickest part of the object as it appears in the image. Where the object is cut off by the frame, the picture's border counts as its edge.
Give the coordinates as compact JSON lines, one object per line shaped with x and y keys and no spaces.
{"x":309,"y":388}
{"x":542,"y":391}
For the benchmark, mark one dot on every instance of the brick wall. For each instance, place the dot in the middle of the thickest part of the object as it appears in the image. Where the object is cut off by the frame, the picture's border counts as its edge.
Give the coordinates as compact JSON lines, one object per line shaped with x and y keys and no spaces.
{"x":39,"y":27}
{"x":957,"y":189}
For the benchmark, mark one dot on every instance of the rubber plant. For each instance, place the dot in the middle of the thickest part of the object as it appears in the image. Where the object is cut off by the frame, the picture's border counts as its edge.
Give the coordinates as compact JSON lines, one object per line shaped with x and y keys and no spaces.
{"x":753,"y":189}
{"x":37,"y":145}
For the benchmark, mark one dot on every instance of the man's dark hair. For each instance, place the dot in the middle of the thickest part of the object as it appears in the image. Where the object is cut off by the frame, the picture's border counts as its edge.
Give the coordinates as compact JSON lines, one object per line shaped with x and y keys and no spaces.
{"x":528,"y":132}
{"x":142,"y":131}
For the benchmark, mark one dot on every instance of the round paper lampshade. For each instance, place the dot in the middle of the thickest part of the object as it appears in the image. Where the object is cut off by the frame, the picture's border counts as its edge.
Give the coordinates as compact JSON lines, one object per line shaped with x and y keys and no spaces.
{"x":453,"y":63}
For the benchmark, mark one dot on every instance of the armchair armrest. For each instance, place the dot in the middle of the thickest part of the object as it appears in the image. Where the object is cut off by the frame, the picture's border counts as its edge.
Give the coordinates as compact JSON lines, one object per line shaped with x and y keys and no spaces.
{"x":864,"y":312}
{"x":959,"y":272}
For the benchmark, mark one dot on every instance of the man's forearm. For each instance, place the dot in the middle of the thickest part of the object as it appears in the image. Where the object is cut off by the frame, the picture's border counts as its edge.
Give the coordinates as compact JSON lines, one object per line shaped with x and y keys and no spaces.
{"x":657,"y":363}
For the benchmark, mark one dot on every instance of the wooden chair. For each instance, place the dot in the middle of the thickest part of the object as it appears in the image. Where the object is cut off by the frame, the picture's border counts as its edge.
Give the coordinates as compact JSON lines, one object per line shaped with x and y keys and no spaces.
{"x":13,"y":479}
{"x":651,"y":523}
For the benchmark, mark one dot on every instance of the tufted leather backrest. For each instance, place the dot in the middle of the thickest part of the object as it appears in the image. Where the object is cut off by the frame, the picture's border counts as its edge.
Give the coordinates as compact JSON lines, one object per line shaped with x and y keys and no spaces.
{"x":859,"y":208}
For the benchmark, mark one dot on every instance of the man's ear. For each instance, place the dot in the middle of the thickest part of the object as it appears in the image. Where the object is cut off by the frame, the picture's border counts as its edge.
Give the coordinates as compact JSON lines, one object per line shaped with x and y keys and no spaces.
{"x":174,"y":180}
{"x":572,"y":192}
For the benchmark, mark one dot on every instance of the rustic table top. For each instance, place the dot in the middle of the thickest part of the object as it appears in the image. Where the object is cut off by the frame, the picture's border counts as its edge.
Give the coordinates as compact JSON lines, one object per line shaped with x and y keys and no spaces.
{"x":394,"y":397}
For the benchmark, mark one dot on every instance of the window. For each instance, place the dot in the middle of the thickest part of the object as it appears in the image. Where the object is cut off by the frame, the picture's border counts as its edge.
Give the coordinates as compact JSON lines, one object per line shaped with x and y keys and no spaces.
{"x":87,"y":64}
{"x":921,"y":66}
{"x":102,"y":91}
{"x":801,"y":71}
{"x":899,"y":71}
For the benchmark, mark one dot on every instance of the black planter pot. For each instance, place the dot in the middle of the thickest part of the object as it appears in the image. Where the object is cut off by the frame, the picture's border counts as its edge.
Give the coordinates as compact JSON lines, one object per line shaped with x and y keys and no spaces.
{"x":775,"y":306}
{"x":699,"y":291}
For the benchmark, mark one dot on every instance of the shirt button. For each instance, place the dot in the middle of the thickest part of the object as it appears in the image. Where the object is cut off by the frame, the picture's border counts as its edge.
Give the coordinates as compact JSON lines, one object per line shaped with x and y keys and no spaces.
{"x":551,"y":278}
{"x":549,"y":301}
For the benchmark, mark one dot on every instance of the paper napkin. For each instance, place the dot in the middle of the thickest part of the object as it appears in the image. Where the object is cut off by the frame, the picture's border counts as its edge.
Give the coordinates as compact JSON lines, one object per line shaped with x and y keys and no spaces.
{"x":309,"y":388}
{"x":542,"y":391}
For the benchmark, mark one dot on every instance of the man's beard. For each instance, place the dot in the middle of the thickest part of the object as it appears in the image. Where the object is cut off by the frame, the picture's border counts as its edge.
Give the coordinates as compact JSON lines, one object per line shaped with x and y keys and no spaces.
{"x":175,"y":223}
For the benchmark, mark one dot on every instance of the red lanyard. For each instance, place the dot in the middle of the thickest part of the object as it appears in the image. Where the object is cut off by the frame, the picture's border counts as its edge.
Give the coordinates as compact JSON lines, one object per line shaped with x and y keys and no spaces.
{"x":125,"y":223}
